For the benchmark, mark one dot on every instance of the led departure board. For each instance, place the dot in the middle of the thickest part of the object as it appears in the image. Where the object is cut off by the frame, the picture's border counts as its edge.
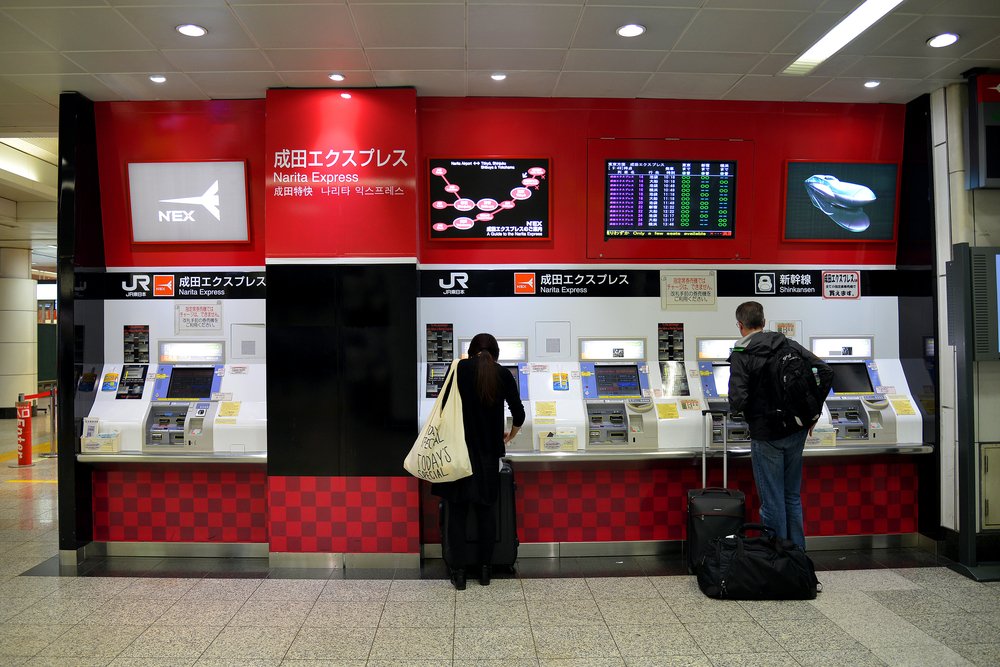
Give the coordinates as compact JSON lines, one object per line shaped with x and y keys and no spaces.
{"x":664,"y":199}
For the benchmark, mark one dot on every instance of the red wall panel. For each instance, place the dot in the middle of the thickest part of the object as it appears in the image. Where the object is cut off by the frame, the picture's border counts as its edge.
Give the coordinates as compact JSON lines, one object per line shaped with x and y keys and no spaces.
{"x":560,"y":129}
{"x":176,"y":132}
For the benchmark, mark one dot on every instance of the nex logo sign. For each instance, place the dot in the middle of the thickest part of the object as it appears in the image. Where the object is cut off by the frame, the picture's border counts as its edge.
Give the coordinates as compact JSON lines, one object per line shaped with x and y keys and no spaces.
{"x":209,"y":201}
{"x":456,"y":280}
{"x":138,"y":285}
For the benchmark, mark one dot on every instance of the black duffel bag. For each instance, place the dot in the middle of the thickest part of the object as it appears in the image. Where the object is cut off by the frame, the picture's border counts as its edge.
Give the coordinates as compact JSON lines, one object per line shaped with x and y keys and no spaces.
{"x":737,"y":567}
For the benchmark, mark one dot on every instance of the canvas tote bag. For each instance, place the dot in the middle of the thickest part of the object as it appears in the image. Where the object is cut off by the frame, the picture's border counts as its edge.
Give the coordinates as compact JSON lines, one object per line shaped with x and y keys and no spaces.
{"x":440,"y":453}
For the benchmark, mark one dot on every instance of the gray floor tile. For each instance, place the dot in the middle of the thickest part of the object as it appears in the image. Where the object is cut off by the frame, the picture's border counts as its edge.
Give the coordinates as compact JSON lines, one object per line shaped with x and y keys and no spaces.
{"x":700,"y":609}
{"x":668,"y":661}
{"x":490,"y":613}
{"x":556,"y":589}
{"x":936,"y":577}
{"x":194,"y":613}
{"x":957,"y":629}
{"x":564,"y":612}
{"x":889,"y":630}
{"x":752,"y":660}
{"x":158,"y":588}
{"x":300,"y":590}
{"x":980,"y":654}
{"x":271,"y":614}
{"x":237,"y":662}
{"x":172,"y":642}
{"x":52,"y":610}
{"x":488,"y":662}
{"x":919,"y":656}
{"x":93,"y":588}
{"x":348,"y":589}
{"x":413,"y":643}
{"x":27,"y":640}
{"x":121,"y":661}
{"x":222,"y":589}
{"x":653,"y":640}
{"x":420,"y":590}
{"x":21,"y":587}
{"x":591,"y":641}
{"x":332,"y":644}
{"x":127,"y":611}
{"x":82,"y":640}
{"x":500,"y":590}
{"x":92,"y":661}
{"x":344,"y":613}
{"x":581,"y":662}
{"x":324,"y":663}
{"x":435,"y":614}
{"x":979,"y":600}
{"x":849,"y":658}
{"x":636,"y":612}
{"x":493,"y":643}
{"x":724,"y":637}
{"x":407,"y":663}
{"x":628,"y":588}
{"x":865,"y":580}
{"x":249,"y":643}
{"x":908,"y":604}
{"x":10,"y":608}
{"x":810,"y":633}
{"x":781,"y":609}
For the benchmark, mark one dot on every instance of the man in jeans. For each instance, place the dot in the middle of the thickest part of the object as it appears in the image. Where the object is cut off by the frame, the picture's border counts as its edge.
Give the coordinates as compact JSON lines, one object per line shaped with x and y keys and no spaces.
{"x":775,"y":449}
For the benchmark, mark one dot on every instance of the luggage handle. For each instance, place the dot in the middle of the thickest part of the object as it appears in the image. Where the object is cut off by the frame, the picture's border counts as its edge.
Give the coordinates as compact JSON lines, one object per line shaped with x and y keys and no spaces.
{"x":707,"y":440}
{"x":763,"y":529}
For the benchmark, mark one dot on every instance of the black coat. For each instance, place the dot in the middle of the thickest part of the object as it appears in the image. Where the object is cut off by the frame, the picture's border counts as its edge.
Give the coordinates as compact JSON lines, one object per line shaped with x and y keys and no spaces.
{"x":484,"y":429}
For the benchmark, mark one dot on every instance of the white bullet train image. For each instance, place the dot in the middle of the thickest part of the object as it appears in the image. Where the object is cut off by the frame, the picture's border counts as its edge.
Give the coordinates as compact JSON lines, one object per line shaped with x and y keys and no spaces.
{"x":843,"y":202}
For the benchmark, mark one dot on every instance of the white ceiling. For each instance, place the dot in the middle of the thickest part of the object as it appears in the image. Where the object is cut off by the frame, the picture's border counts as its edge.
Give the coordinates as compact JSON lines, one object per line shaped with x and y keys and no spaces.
{"x":705,"y":49}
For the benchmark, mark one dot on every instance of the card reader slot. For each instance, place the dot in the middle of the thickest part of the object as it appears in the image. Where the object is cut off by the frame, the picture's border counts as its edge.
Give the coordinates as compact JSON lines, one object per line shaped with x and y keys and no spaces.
{"x":616,"y":420}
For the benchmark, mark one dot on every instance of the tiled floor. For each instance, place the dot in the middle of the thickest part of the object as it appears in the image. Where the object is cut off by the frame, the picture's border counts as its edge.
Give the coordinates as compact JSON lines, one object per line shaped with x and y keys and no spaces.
{"x":882,"y":607}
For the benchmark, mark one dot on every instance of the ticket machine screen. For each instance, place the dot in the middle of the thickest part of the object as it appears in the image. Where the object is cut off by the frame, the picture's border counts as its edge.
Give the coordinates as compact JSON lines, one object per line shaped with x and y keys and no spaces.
{"x":617,"y":381}
{"x":721,"y":374}
{"x":512,"y":369}
{"x":190,"y":383}
{"x":851,"y":379}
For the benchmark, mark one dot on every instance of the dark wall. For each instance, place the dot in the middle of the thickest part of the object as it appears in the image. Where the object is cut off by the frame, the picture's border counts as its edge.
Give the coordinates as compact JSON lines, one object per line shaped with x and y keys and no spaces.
{"x":341,"y":368}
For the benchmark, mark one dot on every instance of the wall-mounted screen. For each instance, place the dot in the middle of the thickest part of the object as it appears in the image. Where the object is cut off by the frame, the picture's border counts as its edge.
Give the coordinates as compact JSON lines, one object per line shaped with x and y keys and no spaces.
{"x":617,"y":381}
{"x":851,"y":378}
{"x":721,"y":374}
{"x":670,"y":198}
{"x":858,"y":347}
{"x":489,"y":198}
{"x":192,"y":352}
{"x":612,"y":349}
{"x":710,"y":349}
{"x":190,"y":383}
{"x":511,"y":349}
{"x":841,"y":201}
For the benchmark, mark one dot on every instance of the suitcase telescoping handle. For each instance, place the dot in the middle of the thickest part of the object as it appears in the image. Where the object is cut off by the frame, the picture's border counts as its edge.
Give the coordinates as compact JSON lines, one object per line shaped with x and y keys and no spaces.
{"x":707,"y":441}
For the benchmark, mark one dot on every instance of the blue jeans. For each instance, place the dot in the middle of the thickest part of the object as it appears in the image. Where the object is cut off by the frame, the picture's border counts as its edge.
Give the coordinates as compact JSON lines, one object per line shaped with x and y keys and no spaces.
{"x":777,"y":471}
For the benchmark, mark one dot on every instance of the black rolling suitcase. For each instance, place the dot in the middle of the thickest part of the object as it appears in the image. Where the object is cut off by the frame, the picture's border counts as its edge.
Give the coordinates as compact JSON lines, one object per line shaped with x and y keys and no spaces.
{"x":506,"y":542}
{"x":712,"y":511}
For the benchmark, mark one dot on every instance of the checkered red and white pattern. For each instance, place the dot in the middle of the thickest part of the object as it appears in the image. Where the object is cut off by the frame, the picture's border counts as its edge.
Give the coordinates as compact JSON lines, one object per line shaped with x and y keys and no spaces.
{"x":180,"y":505}
{"x":870,"y":496}
{"x":344,"y":514}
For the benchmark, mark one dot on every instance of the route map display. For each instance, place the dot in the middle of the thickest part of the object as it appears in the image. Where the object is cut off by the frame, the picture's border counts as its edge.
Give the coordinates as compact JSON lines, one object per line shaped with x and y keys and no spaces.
{"x":489,"y":198}
{"x":670,"y":199}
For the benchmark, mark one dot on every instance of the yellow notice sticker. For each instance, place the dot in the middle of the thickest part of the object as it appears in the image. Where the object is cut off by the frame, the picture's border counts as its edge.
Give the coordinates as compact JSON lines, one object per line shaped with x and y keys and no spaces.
{"x":667,"y":411}
{"x":229,"y":409}
{"x":545,"y":408}
{"x":902,"y":405}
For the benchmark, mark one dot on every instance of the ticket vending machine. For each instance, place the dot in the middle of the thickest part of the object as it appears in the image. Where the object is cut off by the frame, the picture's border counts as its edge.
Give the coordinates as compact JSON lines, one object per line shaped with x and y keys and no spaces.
{"x":514,"y":358}
{"x":869,"y":400}
{"x":713,"y":373}
{"x":614,"y":376}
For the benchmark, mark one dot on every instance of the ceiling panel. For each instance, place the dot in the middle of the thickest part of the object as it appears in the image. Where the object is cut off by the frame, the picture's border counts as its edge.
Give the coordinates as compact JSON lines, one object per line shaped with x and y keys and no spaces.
{"x":663,"y":27}
{"x":738,"y":30}
{"x":712,"y":63}
{"x":520,"y":59}
{"x":33,"y":117}
{"x":876,"y":67}
{"x":159,"y":25}
{"x":81,"y":29}
{"x":966,"y":8}
{"x":784,"y":88}
{"x":219,"y":60}
{"x":48,"y":86}
{"x":138,"y":86}
{"x":523,"y":26}
{"x":989,"y":51}
{"x":410,"y":25}
{"x":517,"y":84}
{"x":120,"y":61}
{"x":299,"y":26}
{"x":37,"y":63}
{"x":600,"y":84}
{"x":386,"y":59}
{"x":974,"y":31}
{"x":236,"y":85}
{"x":14,"y":37}
{"x":354,"y":79}
{"x":329,"y":60}
{"x":429,"y":83}
{"x":601,"y":60}
{"x":10,"y":93}
{"x":689,"y":86}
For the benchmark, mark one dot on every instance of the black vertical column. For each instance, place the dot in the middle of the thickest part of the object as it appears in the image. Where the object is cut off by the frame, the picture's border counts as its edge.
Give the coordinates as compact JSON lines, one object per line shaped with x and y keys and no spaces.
{"x":80,"y":328}
{"x":341,"y":368}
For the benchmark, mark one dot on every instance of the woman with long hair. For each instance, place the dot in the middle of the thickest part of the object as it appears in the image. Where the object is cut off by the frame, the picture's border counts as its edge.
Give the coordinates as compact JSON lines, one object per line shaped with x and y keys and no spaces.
{"x":484,"y":386}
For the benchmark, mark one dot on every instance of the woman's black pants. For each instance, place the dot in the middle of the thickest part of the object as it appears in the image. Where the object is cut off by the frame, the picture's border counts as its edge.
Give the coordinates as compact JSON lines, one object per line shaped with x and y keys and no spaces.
{"x":486,"y":530}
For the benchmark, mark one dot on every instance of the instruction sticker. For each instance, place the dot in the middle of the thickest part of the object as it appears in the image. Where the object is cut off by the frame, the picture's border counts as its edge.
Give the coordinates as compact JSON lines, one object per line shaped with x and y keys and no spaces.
{"x":667,"y":411}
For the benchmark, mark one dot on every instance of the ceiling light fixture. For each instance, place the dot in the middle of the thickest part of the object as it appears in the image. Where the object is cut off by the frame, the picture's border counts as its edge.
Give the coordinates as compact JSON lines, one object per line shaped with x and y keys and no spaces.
{"x":499,"y":76}
{"x":631,"y":30}
{"x":850,"y":27}
{"x":191,"y":30}
{"x":346,"y":96}
{"x":337,"y":77}
{"x":157,"y":78}
{"x":872,"y":84}
{"x":942,"y":40}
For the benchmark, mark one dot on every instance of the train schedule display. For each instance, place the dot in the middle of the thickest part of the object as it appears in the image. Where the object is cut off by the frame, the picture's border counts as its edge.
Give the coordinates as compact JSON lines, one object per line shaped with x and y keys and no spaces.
{"x":489,"y":198}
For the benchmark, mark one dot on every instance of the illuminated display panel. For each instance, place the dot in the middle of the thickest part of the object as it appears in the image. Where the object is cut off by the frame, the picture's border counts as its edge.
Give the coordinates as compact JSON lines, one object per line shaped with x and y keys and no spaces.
{"x":851,"y":378}
{"x":617,"y":381}
{"x":190,"y":383}
{"x":612,"y":349}
{"x":715,"y":348}
{"x":511,"y":349}
{"x":857,"y":347}
{"x":721,"y":374}
{"x":670,"y":198}
{"x":192,"y":352}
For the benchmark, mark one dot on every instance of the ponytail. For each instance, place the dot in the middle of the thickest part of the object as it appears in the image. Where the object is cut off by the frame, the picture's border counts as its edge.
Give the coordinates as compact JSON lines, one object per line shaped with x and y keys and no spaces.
{"x":484,"y":351}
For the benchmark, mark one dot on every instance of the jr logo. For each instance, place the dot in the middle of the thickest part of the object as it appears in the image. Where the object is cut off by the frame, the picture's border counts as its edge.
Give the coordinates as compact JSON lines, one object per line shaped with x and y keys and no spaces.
{"x":138,"y":284}
{"x":459,"y":279}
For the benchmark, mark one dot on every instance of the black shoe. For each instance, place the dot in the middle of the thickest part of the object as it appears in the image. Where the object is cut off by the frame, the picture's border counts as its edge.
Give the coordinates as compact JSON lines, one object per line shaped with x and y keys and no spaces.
{"x":484,"y":575}
{"x":458,"y":579}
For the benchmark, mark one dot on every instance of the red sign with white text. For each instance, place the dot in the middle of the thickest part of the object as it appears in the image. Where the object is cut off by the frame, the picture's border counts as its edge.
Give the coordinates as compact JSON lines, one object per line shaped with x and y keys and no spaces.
{"x":341,"y":173}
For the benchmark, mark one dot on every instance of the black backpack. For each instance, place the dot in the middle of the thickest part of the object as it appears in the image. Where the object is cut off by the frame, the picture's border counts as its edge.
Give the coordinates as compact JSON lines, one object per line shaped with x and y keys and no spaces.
{"x":799,"y":386}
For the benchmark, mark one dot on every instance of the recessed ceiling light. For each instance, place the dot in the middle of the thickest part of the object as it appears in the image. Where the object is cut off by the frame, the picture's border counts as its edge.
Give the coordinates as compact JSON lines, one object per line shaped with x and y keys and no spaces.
{"x":191,"y":30}
{"x":346,"y":96}
{"x":841,"y":34}
{"x":944,"y":39}
{"x":631,"y":30}
{"x":499,"y":76}
{"x":872,"y":84}
{"x":337,"y":77}
{"x":157,"y":78}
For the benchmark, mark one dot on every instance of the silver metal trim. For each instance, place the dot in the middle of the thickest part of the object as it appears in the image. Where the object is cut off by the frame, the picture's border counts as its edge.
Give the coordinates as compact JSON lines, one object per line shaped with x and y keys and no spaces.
{"x":538,"y":550}
{"x":382,"y":561}
{"x":664,"y":454}
{"x":327,"y":561}
{"x":179,"y":549}
{"x":260,"y":458}
{"x":72,"y":557}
